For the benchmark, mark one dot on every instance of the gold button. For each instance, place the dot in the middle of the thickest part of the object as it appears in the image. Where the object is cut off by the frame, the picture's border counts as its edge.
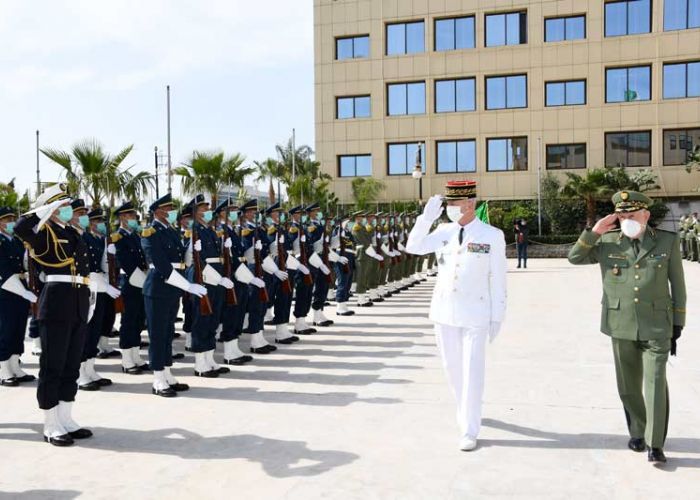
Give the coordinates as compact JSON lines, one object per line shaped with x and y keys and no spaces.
{"x":636,"y":299}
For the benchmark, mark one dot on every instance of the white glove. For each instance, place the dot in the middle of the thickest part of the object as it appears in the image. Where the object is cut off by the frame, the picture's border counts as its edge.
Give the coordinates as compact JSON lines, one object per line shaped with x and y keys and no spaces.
{"x":343,"y":260}
{"x":30,"y":296}
{"x":198,"y":246}
{"x":257,"y":282}
{"x":111,"y":249}
{"x":228,"y":243}
{"x":198,"y":290}
{"x":494,"y":329}
{"x":303,"y":268}
{"x":281,"y":238}
{"x":325,"y":269}
{"x":282,"y":275}
{"x":379,"y":258}
{"x":303,"y":238}
{"x":226,"y":283}
{"x":433,"y":209}
{"x":113,"y":292}
{"x":258,"y":245}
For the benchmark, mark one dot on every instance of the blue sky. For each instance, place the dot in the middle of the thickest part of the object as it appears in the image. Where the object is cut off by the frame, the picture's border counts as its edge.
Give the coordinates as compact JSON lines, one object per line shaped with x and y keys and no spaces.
{"x":241,"y":77}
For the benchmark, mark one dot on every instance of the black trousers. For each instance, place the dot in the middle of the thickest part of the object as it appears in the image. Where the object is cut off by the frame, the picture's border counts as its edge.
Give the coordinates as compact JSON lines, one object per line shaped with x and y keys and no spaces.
{"x":232,"y":316}
{"x":14,"y":311}
{"x":302,"y":304}
{"x":95,"y":326}
{"x":61,"y":348}
{"x":283,"y":302}
{"x":522,"y":252}
{"x":320,"y":294}
{"x":133,"y":316}
{"x":204,"y":327}
{"x":160,"y":314}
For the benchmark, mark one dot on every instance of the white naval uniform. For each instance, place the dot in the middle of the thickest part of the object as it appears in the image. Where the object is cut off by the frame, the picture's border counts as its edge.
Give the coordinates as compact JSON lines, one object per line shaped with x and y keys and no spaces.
{"x":469,"y":299}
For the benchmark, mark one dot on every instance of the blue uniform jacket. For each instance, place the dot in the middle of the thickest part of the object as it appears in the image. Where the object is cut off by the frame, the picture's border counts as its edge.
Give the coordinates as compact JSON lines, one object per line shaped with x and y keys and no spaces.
{"x":211,"y":248}
{"x":11,"y":262}
{"x":129,"y":251}
{"x":163,"y":246}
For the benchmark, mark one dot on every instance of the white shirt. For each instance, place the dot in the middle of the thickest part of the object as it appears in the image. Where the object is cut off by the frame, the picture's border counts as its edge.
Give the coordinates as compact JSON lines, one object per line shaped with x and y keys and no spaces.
{"x":471,"y":285}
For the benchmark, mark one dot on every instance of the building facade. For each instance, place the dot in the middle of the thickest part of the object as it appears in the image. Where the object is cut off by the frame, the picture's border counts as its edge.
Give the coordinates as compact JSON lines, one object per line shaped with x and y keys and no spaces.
{"x":504,"y":92}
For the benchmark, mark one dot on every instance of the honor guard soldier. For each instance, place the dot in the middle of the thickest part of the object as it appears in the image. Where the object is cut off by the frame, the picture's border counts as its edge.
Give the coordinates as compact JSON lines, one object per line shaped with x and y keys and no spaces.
{"x":377,"y":265}
{"x":185,"y":222}
{"x":469,"y":299}
{"x":344,"y":243}
{"x":204,"y":254}
{"x":164,"y":285}
{"x":14,"y":302}
{"x":319,"y":270}
{"x":644,"y":302}
{"x":303,"y":281}
{"x":63,"y":308}
{"x":691,"y":240}
{"x":361,"y":232}
{"x":254,"y":243}
{"x":126,"y":247}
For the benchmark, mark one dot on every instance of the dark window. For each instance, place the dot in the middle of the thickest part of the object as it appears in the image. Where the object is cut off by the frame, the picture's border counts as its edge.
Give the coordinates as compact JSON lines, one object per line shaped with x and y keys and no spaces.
{"x":352,"y":47}
{"x":402,"y":158}
{"x":557,"y":29}
{"x":353,"y":107}
{"x":628,"y":149}
{"x":508,"y":153}
{"x":565,"y":93}
{"x":682,"y":80}
{"x":454,"y":34}
{"x":455,"y":95}
{"x":678,"y":143}
{"x":456,"y":156}
{"x":566,"y":156}
{"x":628,"y":84}
{"x":506,"y":92}
{"x":405,"y":38}
{"x":681,"y":14}
{"x":355,"y":165}
{"x":406,"y":98}
{"x":509,"y":28}
{"x":628,"y":17}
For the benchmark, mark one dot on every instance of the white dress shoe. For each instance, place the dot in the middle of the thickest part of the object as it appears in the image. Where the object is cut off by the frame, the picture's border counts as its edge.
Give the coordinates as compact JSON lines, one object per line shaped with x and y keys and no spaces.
{"x":467,"y":443}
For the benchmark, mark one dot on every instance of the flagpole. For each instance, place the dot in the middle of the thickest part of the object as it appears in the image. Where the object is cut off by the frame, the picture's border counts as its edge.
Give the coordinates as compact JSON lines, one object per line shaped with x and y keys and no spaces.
{"x":539,"y":186}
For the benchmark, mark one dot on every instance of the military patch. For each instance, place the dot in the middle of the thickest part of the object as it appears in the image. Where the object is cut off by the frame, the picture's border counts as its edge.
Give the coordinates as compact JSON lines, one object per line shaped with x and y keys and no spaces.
{"x":312,"y":229}
{"x":478,"y":247}
{"x":271,"y":230}
{"x":293,"y":230}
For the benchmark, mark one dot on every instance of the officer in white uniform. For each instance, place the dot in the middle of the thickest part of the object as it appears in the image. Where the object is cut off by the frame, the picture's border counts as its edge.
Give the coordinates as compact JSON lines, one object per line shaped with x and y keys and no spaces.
{"x":469,"y":299}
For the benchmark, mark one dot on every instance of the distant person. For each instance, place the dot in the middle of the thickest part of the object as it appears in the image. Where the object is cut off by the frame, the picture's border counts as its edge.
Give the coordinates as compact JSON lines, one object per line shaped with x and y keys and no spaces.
{"x":522,"y":233}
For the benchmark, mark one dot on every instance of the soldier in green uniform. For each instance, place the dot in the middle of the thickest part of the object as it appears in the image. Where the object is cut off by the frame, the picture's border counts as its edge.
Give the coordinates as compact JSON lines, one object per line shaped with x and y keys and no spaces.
{"x":363,"y":262}
{"x":691,"y":241}
{"x":682,"y":229}
{"x":643,"y":311}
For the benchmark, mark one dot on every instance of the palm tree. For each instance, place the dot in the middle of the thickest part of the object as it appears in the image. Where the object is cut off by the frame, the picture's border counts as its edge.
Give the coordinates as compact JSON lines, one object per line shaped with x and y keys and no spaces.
{"x":592,"y":187}
{"x":89,"y":169}
{"x":300,"y":155}
{"x":212,"y":172}
{"x":270,"y":170}
{"x":365,"y":190}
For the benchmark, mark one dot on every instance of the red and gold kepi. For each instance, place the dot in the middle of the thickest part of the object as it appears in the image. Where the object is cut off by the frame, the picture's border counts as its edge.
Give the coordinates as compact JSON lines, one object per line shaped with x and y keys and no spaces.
{"x":460,"y":190}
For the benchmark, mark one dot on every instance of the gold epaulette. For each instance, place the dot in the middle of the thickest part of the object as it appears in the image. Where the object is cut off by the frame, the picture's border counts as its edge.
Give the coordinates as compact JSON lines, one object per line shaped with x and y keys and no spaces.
{"x":188,"y":233}
{"x":116,"y":236}
{"x":220,"y":233}
{"x":149,"y":231}
{"x":271,"y":230}
{"x":369,"y":228}
{"x":312,"y":229}
{"x":246,"y":232}
{"x":356,"y":227}
{"x":293,"y":230}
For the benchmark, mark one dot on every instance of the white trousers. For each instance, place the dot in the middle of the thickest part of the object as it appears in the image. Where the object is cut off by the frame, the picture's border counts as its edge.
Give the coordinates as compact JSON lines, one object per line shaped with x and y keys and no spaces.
{"x":464,"y":358}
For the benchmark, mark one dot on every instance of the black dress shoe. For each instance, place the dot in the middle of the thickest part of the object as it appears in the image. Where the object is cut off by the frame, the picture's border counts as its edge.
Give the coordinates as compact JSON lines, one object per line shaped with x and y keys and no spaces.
{"x":222,"y":369}
{"x":144,"y":344}
{"x":134,"y":370}
{"x":178,"y":355}
{"x":90,"y":386}
{"x":178,"y":387}
{"x":270,"y":322}
{"x":366,"y":304}
{"x":656,"y":455}
{"x":637,"y":444}
{"x":239,"y":361}
{"x":165,"y":393}
{"x":104,"y":382}
{"x":263,"y":350}
{"x":26,"y":378}
{"x":144,"y":367}
{"x":349,"y":313}
{"x":294,"y":338}
{"x":207,"y":374}
{"x":286,"y":341}
{"x":177,"y":335}
{"x":81,"y":434}
{"x":378,"y":300}
{"x":308,"y":331}
{"x":328,"y":322}
{"x":109,"y":354}
{"x":10,"y":382}
{"x":62,"y":440}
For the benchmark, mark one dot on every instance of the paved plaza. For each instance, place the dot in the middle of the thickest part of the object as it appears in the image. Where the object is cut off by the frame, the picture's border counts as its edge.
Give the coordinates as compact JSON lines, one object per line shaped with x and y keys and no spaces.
{"x":361,"y":410}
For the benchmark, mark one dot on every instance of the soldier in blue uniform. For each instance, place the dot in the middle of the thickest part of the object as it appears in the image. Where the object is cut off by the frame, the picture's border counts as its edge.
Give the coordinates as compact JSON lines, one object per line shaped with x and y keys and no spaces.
{"x":303,"y":291}
{"x":231,"y":320}
{"x":126,"y":247}
{"x":344,"y":243}
{"x":319,"y":269}
{"x":14,"y":302}
{"x":207,"y":249}
{"x":63,"y":304}
{"x":185,"y":223}
{"x":253,"y":239}
{"x":162,"y":290}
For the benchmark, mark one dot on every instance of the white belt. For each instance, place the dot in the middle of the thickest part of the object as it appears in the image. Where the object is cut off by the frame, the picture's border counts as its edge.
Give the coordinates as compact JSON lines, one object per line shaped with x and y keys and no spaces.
{"x":176,"y":265}
{"x":214,"y":260}
{"x":67,"y":278}
{"x":349,"y":250}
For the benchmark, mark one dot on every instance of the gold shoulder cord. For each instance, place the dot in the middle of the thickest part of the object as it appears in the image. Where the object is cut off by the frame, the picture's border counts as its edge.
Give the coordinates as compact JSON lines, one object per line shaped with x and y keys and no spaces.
{"x":60,"y":253}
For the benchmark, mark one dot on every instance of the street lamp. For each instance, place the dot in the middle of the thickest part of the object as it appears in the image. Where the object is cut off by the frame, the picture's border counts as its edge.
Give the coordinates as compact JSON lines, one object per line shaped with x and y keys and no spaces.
{"x":418,"y":172}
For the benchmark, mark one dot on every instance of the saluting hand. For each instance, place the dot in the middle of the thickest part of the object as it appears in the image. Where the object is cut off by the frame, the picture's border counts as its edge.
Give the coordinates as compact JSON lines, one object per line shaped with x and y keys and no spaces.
{"x":605,"y":224}
{"x":433,"y":209}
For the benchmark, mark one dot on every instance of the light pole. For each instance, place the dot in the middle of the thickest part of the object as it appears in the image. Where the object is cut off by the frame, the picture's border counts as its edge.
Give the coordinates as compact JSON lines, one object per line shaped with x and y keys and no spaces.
{"x":170,"y":165}
{"x":156,"y":162}
{"x":418,"y":172}
{"x":38,"y":176}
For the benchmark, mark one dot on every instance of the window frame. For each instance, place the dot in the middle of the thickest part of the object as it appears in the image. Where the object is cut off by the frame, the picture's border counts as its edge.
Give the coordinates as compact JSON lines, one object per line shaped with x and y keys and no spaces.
{"x":585,"y":93}
{"x":405,"y":144}
{"x":687,"y":16}
{"x":513,"y":137}
{"x":626,"y":132}
{"x":627,"y":19}
{"x":551,"y":18}
{"x":405,"y":37}
{"x":651,"y":82}
{"x":355,"y":156}
{"x":663,"y":144}
{"x":352,"y":37}
{"x":354,"y":113}
{"x":425,"y":105}
{"x":455,"y":80}
{"x":585,"y":155}
{"x":520,"y":25}
{"x":486,"y":92}
{"x":663,"y":79}
{"x":456,"y":143}
{"x":454,"y":19}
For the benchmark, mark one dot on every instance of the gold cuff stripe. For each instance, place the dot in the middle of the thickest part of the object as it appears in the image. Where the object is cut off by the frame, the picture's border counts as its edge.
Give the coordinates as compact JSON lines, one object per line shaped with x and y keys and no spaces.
{"x":583,"y":243}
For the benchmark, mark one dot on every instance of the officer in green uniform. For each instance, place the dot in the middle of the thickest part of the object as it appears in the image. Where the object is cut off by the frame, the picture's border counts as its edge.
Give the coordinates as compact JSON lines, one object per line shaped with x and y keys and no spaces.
{"x":363,"y":262}
{"x":691,"y":237}
{"x":682,"y":229}
{"x":642,"y":314}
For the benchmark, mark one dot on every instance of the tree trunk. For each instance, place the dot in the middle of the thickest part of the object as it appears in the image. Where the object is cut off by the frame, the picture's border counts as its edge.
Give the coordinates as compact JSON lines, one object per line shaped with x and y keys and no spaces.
{"x":590,"y":210}
{"x":271,"y":192}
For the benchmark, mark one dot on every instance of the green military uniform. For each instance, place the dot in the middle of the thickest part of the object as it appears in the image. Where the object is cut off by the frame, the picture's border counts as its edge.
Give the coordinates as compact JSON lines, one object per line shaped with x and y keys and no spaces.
{"x":691,"y":239}
{"x":363,"y":262}
{"x":639,"y":313}
{"x":682,"y":229}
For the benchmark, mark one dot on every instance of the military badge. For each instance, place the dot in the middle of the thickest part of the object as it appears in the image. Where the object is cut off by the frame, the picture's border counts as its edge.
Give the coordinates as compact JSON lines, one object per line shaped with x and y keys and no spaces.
{"x":478,"y":247}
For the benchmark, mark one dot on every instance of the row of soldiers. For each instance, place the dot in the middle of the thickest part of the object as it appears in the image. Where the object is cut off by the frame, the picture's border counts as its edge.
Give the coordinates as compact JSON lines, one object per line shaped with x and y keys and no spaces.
{"x":231,"y":269}
{"x":689,"y":232}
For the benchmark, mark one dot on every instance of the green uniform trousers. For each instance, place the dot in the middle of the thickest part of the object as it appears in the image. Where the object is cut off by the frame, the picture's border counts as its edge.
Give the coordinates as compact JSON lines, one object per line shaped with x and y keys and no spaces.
{"x":641,"y":365}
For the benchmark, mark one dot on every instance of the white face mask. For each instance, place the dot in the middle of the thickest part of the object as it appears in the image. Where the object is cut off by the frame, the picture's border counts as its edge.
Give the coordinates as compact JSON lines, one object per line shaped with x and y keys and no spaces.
{"x":631,"y":228}
{"x":454,"y":213}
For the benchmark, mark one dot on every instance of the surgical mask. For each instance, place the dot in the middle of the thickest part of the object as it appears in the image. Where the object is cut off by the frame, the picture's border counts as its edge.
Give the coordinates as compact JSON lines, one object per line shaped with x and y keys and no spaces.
{"x":132,"y":224}
{"x":349,"y":225}
{"x":102,"y":228}
{"x":269,"y":221}
{"x":139,"y":229}
{"x":319,"y":216}
{"x":190,"y":223}
{"x":10,"y":228}
{"x":631,"y":228}
{"x":84,"y":221}
{"x":172,"y":216}
{"x":374,"y":222}
{"x":381,"y":222}
{"x":207,"y":216}
{"x":283,"y":218}
{"x":364,"y":221}
{"x":65,"y":214}
{"x":233,"y":216}
{"x":304,"y":218}
{"x":391,"y":221}
{"x":454,"y":213}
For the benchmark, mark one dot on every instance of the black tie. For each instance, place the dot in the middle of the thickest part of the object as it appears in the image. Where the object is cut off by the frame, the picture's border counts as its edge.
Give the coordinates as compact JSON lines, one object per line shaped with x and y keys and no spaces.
{"x":461,"y":234}
{"x":635,"y":245}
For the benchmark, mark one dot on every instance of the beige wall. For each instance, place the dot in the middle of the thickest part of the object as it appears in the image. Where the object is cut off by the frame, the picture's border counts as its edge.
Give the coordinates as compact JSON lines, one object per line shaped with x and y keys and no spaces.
{"x":542,"y":62}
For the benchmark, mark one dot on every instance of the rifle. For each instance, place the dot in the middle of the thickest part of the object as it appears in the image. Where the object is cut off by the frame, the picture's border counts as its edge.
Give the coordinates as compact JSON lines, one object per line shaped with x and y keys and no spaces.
{"x":395,"y":246}
{"x":324,"y":253}
{"x":308,"y":280}
{"x":264,"y":297}
{"x":32,"y":280}
{"x":282,"y":258}
{"x":231,"y":299}
{"x":113,"y":276}
{"x":346,"y":267}
{"x":204,"y":304}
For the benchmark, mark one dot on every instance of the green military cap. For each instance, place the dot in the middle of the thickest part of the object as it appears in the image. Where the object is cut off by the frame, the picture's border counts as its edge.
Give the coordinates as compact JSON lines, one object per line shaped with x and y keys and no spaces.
{"x":630,"y":201}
